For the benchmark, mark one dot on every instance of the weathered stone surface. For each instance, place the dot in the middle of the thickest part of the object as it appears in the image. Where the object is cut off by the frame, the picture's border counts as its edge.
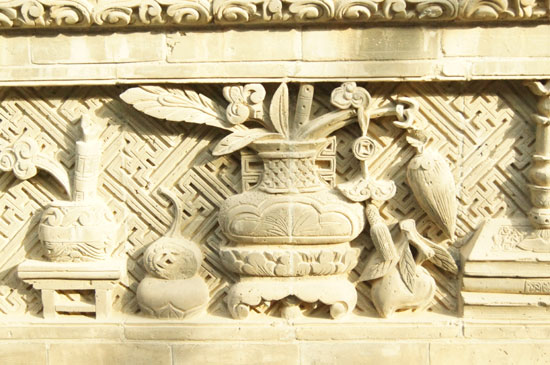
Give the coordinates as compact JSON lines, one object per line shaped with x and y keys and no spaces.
{"x":23,"y":353}
{"x":364,"y":352}
{"x":496,"y":42}
{"x":351,"y":201}
{"x":235,"y":45}
{"x":106,"y":353}
{"x":373,"y":44}
{"x":236,"y":353}
{"x":100,"y":48}
{"x":496,"y":353}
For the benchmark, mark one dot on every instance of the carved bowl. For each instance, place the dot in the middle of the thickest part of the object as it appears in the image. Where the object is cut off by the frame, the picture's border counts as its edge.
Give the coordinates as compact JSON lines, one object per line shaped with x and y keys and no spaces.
{"x":77,"y":231}
{"x":323,"y":217}
{"x":290,"y":261}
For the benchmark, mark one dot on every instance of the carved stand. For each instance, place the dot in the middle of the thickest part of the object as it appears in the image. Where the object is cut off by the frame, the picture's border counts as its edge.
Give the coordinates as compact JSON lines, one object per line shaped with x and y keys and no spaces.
{"x":51,"y":278}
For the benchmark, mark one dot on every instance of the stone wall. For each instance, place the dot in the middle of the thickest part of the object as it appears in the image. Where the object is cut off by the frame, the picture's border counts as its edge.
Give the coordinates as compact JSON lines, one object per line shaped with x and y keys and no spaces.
{"x":151,"y":121}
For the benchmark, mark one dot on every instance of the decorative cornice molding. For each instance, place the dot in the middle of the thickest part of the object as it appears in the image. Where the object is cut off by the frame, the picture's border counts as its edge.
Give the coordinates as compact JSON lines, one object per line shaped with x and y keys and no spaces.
{"x":84,"y":13}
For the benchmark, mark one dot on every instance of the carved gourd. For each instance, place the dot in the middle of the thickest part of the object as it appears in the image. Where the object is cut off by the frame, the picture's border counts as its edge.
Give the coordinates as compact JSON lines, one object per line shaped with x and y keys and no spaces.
{"x":172,"y":288}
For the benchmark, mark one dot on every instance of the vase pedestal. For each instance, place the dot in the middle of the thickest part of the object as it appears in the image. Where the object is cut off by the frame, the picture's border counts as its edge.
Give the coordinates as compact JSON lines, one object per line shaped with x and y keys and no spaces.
{"x":335,"y":291}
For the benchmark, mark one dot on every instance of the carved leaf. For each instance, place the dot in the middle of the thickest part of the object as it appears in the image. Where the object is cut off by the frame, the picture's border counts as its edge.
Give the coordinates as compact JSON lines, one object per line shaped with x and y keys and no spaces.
{"x":484,"y":9}
{"x":278,"y":110}
{"x":56,"y":169}
{"x":356,"y":9}
{"x":24,"y":158}
{"x":436,"y":9}
{"x":443,"y":259}
{"x":376,"y":267}
{"x":407,"y":268}
{"x":177,"y":105}
{"x":240,"y":139}
{"x":311,"y":9}
{"x":185,"y":12}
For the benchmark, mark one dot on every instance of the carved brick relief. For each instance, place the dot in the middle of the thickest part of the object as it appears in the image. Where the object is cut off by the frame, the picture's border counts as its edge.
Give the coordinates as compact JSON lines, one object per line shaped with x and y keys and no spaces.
{"x":481,"y":132}
{"x":83,"y":13}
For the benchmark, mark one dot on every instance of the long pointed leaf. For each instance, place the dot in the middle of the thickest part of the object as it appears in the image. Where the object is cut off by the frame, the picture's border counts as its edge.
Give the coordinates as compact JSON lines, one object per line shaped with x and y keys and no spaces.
{"x":407,"y":269}
{"x":278,"y":110}
{"x":177,"y":105}
{"x":240,"y":139}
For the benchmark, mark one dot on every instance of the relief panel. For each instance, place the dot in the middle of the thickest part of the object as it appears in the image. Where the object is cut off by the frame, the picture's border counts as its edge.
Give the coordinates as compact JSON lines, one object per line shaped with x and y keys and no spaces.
{"x":477,"y":135}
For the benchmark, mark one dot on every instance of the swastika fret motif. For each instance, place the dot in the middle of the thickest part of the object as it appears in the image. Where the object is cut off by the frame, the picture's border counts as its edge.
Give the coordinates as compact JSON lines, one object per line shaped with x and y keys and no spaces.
{"x":481,"y":128}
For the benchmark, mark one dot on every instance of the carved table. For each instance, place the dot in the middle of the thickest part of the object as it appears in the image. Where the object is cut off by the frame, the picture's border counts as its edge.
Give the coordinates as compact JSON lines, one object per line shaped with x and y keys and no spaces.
{"x":53,"y":277}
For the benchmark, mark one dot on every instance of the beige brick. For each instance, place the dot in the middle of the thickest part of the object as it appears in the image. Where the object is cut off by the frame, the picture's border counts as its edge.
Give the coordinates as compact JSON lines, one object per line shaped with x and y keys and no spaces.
{"x":268,"y":71}
{"x":112,"y":353}
{"x":97,"y":48}
{"x":371,"y":70}
{"x":209,"y":332}
{"x":15,"y":51}
{"x":235,"y":45}
{"x":64,"y":331}
{"x":507,"y":330}
{"x":497,"y":41}
{"x":55,"y":74}
{"x":22,"y":354}
{"x":362,"y":353}
{"x":388,"y":331}
{"x":502,"y":353}
{"x":237,"y":71}
{"x":387,"y":43}
{"x":236,"y":353}
{"x":517,"y":68}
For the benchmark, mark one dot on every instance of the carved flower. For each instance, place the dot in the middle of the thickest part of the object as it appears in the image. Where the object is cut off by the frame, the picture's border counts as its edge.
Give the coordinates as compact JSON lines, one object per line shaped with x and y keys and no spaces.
{"x":349,"y":95}
{"x":244,"y":102}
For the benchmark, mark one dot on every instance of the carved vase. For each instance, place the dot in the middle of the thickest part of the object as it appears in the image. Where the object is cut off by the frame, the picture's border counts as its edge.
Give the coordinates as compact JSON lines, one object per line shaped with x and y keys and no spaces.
{"x":291,"y":225}
{"x":78,"y":231}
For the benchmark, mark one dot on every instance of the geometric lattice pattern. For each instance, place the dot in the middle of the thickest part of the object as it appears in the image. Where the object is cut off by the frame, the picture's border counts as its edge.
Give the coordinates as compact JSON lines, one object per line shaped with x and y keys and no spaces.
{"x":482,"y":129}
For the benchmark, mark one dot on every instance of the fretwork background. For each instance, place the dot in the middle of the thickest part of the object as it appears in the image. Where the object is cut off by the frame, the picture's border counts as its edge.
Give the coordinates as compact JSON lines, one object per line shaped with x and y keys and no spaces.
{"x":482,"y":128}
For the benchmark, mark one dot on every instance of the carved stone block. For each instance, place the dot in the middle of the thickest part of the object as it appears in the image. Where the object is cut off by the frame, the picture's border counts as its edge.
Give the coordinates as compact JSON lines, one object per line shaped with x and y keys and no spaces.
{"x":506,"y":272}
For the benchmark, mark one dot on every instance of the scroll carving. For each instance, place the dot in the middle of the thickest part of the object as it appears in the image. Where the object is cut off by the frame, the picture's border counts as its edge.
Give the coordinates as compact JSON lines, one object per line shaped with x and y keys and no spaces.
{"x":50,"y":13}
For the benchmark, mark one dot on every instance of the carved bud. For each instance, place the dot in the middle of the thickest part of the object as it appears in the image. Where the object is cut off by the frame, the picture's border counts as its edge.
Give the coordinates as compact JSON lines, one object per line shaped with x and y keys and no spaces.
{"x":380,"y":234}
{"x":350,"y":95}
{"x":433,"y":186}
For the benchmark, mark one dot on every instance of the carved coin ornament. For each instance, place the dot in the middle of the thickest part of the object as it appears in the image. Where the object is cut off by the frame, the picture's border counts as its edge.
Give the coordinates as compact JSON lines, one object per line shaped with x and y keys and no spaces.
{"x":172,"y":288}
{"x":363,"y":148}
{"x":398,"y":280}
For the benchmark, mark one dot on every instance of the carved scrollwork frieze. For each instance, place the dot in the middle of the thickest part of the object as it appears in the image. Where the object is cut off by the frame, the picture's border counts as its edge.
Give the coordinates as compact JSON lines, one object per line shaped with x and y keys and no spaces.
{"x":83,"y":13}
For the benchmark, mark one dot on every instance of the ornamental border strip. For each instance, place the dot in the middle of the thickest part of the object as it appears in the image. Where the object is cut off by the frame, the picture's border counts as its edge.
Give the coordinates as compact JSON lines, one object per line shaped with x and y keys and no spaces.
{"x":105,"y":13}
